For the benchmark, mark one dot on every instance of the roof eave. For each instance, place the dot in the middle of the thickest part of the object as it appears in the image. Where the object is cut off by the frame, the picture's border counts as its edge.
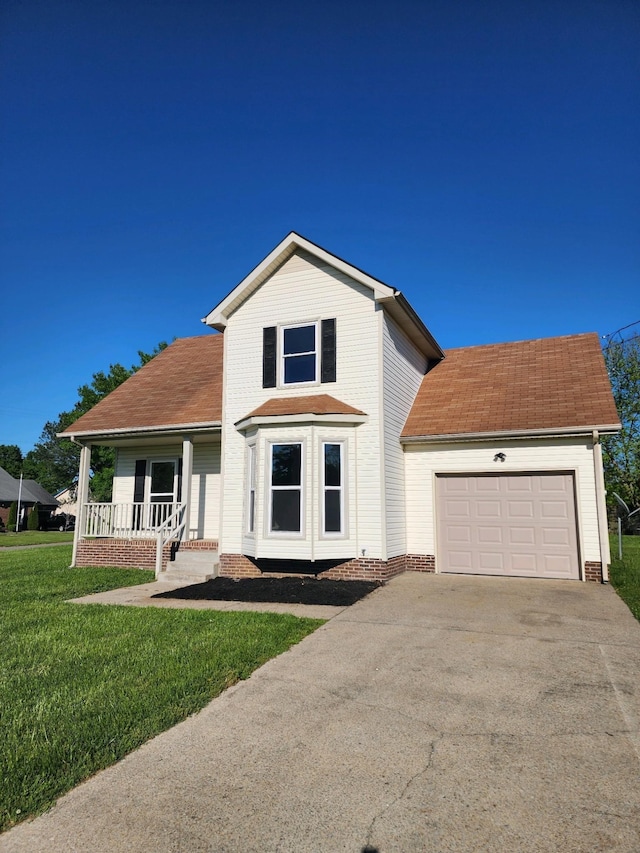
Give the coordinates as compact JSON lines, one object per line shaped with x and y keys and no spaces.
{"x":308,"y":417}
{"x":560,"y":432}
{"x":217,"y":318}
{"x":141,"y":432}
{"x":399,"y":307}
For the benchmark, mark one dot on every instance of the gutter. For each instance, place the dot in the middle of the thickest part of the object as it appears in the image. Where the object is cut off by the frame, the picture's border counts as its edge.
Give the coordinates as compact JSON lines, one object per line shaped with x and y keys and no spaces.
{"x":567,"y":432}
{"x":124,"y":431}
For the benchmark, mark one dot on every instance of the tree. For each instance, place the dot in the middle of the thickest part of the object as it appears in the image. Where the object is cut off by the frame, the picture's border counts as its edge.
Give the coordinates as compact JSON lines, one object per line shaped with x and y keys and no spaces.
{"x":621,"y":452}
{"x":11,"y":459}
{"x":54,"y":462}
{"x":13,"y":516}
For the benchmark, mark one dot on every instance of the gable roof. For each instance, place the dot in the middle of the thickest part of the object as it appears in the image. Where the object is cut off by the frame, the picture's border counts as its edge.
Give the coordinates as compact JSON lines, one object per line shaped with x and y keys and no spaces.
{"x":31,"y":491}
{"x":38,"y":493}
{"x":181,"y":387}
{"x":543,"y":386}
{"x":391,"y":298}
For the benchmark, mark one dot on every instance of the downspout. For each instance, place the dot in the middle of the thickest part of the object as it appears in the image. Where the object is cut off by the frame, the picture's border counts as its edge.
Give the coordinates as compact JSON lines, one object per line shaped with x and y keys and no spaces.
{"x":601,"y":506}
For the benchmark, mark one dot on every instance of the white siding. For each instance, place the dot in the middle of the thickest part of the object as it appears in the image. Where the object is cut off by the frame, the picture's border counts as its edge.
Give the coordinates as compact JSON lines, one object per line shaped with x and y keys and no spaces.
{"x":205,"y":485}
{"x":403,"y":369}
{"x":422,"y":463}
{"x":303,"y":290}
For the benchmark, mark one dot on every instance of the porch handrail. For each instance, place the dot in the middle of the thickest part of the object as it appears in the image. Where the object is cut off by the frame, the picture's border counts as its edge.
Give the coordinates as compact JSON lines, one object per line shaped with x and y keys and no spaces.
{"x":133,"y":520}
{"x":172,"y":528}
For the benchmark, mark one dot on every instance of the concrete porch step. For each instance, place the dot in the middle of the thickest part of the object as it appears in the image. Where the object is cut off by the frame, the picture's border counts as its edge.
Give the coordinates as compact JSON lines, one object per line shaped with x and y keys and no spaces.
{"x":191,"y":567}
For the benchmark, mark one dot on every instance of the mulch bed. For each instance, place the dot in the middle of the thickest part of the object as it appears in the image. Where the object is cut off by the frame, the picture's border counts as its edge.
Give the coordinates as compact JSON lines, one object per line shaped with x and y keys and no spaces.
{"x":276,"y":590}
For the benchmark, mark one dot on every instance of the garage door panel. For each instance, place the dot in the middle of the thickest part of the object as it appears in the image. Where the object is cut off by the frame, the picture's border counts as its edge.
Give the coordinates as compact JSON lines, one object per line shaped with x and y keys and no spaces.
{"x":491,"y":562}
{"x":459,"y":534}
{"x":551,"y":536}
{"x":488,"y":509}
{"x":490,"y":534}
{"x":520,"y":509}
{"x":515,"y":524}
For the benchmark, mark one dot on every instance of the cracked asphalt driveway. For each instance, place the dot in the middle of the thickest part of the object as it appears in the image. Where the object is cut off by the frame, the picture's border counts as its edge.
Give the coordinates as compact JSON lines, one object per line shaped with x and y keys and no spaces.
{"x":441,"y":713}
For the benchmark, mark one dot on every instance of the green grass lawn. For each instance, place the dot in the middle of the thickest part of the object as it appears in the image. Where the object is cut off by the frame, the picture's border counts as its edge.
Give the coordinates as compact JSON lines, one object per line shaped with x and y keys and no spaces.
{"x":34,"y":537}
{"x":83,"y":685}
{"x":625,"y":574}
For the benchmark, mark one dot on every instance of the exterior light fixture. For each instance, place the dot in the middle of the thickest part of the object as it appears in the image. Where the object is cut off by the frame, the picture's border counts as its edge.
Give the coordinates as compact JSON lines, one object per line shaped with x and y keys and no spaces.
{"x":499,"y":457}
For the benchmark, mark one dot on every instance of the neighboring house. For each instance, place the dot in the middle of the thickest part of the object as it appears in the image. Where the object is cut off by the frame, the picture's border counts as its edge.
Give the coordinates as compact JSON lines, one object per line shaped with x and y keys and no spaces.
{"x":67,"y":501}
{"x":324,"y":430}
{"x":28,"y":494}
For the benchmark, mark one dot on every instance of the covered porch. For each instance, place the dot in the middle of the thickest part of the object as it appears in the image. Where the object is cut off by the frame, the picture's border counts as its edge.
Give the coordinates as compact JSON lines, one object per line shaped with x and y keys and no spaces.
{"x":165,"y":499}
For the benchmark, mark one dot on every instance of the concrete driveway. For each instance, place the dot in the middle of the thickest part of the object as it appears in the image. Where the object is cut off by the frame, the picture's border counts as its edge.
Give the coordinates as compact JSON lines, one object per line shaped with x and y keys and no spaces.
{"x":441,"y":713}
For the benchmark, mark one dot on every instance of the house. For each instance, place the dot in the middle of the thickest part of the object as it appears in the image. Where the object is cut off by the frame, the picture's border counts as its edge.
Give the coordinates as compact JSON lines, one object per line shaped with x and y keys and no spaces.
{"x":324,"y":430}
{"x":27,"y":493}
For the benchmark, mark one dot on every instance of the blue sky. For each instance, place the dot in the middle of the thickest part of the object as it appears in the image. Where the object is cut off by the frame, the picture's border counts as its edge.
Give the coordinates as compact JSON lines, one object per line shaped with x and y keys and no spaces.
{"x":482,"y":157}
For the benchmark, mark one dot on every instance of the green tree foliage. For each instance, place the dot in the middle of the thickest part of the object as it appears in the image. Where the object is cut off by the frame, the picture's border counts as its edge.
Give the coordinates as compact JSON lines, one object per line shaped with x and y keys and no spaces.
{"x":13,"y":516}
{"x":54,"y":462}
{"x":33,"y":519}
{"x":621,"y":453}
{"x":11,"y":459}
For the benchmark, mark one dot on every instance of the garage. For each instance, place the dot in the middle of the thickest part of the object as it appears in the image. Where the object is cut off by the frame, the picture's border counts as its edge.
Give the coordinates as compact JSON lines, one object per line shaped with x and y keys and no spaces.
{"x":508,"y":524}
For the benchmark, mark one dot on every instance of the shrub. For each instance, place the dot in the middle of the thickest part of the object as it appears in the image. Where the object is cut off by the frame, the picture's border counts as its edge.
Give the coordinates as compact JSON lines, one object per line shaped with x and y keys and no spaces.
{"x":13,"y":516}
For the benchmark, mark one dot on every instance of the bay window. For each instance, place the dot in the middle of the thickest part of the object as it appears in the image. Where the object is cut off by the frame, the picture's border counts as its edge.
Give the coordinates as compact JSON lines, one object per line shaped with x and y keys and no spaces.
{"x":286,"y":488}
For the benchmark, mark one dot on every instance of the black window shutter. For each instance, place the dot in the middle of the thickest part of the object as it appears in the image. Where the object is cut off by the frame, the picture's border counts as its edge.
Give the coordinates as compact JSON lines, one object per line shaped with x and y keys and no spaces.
{"x":269,"y":341}
{"x":179,"y":498}
{"x":138,"y":487}
{"x":328,"y":363}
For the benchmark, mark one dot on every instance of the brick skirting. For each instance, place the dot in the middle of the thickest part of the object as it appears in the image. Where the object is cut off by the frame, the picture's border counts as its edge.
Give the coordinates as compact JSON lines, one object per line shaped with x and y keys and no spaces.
{"x":593,"y":572}
{"x":360,"y":568}
{"x":132,"y":553}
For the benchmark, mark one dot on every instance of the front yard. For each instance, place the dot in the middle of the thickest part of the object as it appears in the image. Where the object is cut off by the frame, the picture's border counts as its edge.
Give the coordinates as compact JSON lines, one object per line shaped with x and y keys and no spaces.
{"x":9,"y":539}
{"x":83,"y":685}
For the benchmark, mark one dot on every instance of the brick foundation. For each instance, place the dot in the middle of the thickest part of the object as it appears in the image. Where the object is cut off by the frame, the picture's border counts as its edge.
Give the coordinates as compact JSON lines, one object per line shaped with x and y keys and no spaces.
{"x":593,"y":572}
{"x":132,"y":553}
{"x":420,"y":563}
{"x":360,"y":568}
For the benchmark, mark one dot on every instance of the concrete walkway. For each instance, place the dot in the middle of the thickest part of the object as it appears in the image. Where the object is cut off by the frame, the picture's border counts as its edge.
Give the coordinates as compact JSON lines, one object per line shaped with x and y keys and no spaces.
{"x":143,"y":596}
{"x":441,"y":713}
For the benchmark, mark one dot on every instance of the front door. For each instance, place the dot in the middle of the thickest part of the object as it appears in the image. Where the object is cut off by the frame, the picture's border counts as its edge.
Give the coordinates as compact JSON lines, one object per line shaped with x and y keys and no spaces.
{"x":162,"y":490}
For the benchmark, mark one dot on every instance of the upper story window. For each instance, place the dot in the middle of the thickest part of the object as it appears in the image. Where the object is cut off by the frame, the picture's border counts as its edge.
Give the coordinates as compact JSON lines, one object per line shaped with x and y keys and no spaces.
{"x":299,"y":349}
{"x":305,"y":352}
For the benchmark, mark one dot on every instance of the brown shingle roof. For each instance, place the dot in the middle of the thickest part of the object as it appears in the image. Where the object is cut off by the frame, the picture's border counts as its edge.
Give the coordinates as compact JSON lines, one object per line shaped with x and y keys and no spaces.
{"x":549,"y":383}
{"x":313,"y":404}
{"x":182,"y":385}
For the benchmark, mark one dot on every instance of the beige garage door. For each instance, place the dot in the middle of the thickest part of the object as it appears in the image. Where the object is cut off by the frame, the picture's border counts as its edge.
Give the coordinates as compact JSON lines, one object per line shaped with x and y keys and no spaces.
{"x":520,"y":524}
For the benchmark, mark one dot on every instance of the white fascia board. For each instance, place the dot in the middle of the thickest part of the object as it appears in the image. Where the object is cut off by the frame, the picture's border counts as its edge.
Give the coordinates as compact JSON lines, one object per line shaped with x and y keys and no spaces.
{"x":564,"y":432}
{"x":218,"y":316}
{"x":403,"y":313}
{"x":214,"y":426}
{"x":286,"y":420}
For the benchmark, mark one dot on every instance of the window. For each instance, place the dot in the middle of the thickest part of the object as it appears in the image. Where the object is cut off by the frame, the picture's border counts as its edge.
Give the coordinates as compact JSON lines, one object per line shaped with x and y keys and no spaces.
{"x":299,"y":354}
{"x":251,"y":480}
{"x":332,"y":486}
{"x":306,"y":352}
{"x":286,"y":488}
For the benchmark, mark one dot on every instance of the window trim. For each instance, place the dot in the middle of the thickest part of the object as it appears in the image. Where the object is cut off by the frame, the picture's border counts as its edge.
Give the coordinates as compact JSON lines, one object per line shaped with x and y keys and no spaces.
{"x":342,"y":533}
{"x":286,"y":534}
{"x":282,"y":357}
{"x":252,"y":479}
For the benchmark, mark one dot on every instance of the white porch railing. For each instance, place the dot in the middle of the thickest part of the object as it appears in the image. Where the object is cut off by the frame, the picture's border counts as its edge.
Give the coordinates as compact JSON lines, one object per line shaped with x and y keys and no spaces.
{"x":128,"y":520}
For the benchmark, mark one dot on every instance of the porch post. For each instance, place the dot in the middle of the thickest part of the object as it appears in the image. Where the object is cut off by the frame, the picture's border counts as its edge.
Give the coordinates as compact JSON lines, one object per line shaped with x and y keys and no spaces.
{"x":82,"y":497}
{"x":187,"y":473}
